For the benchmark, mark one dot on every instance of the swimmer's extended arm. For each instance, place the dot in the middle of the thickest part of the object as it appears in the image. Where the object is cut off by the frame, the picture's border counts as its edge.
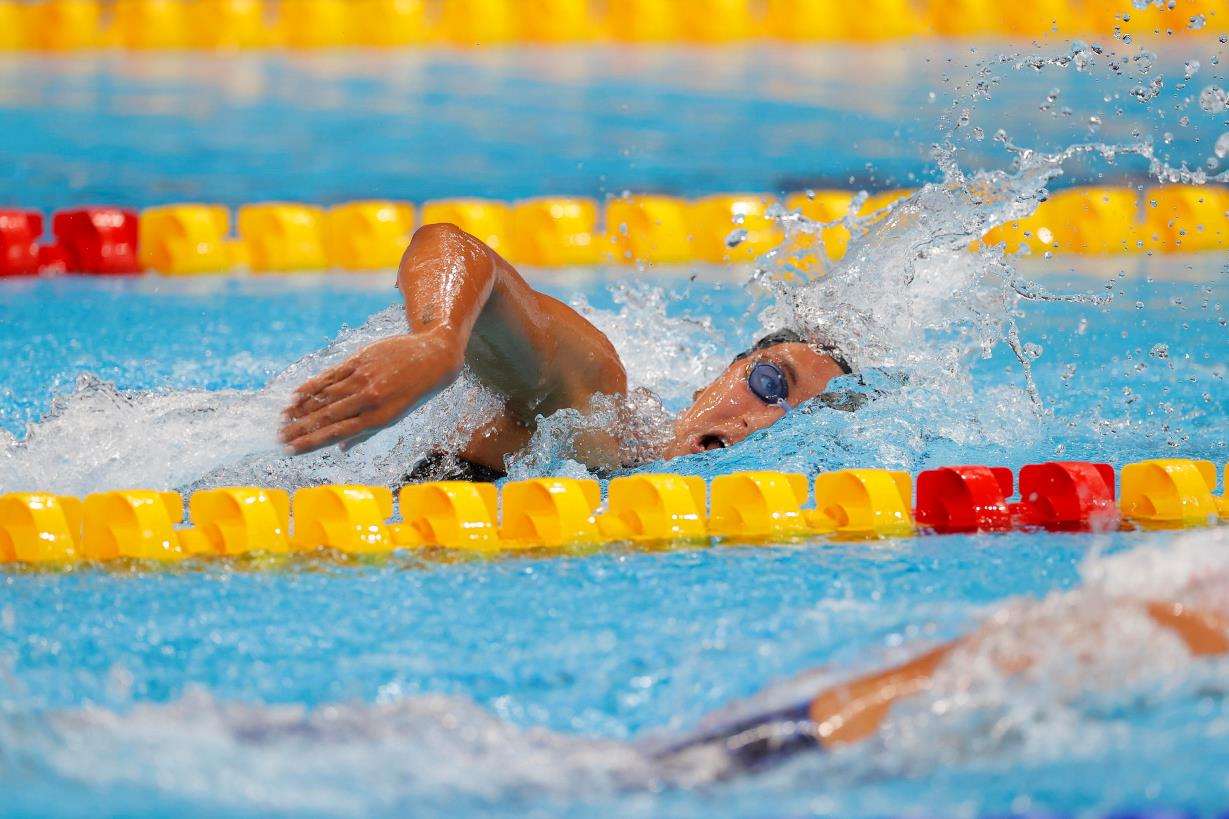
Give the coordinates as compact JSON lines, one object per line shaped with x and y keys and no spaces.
{"x":855,"y":710}
{"x":465,"y":306}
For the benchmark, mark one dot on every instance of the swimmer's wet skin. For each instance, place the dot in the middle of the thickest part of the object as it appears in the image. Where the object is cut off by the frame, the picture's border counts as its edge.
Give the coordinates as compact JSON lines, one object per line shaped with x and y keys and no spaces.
{"x":854,"y":711}
{"x":467,"y":306}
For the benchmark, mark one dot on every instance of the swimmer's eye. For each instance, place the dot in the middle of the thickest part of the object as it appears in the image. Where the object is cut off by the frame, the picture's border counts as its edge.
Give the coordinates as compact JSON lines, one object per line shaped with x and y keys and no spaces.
{"x":768,"y":383}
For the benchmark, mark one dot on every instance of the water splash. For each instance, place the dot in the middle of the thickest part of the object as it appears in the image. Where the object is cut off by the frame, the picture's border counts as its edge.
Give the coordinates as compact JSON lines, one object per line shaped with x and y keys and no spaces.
{"x":909,"y":300}
{"x":98,"y":438}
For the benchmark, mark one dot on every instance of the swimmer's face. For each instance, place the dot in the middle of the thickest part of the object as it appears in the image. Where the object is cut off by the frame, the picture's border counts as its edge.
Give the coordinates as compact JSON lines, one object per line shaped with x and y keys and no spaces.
{"x":728,"y":410}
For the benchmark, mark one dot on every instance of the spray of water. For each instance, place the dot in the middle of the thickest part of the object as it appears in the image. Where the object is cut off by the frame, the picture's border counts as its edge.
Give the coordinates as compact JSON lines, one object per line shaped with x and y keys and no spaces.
{"x":910,"y":303}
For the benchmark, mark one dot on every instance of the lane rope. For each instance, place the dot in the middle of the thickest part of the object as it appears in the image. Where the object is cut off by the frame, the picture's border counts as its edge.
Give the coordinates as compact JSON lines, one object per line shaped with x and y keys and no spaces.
{"x":565,"y":513}
{"x":153,"y":25}
{"x":556,"y":231}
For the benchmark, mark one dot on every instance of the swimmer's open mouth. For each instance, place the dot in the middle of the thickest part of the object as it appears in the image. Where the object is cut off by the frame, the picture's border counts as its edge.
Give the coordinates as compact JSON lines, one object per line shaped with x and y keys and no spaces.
{"x":712,"y":442}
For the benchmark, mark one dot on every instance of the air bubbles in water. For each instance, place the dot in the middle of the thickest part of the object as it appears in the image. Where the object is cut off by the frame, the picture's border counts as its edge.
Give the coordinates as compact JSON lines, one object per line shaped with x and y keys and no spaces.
{"x":1213,"y":99}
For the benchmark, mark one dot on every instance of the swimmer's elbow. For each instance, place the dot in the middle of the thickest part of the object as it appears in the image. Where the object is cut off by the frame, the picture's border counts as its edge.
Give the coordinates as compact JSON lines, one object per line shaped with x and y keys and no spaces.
{"x":442,"y":247}
{"x":447,"y":237}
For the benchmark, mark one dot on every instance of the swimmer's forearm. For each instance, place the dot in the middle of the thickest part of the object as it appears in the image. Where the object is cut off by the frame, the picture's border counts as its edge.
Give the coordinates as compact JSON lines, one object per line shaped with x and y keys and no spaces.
{"x":856,"y":710}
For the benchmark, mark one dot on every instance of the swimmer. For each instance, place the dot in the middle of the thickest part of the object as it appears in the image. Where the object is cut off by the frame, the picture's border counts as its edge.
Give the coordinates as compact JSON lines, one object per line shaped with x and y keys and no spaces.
{"x":854,"y":711}
{"x":468,"y":307}
{"x":1066,"y":646}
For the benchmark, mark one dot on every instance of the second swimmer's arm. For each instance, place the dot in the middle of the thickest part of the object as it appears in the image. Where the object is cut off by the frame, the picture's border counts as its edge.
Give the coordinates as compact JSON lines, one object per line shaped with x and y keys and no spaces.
{"x":465,"y":305}
{"x":855,"y":710}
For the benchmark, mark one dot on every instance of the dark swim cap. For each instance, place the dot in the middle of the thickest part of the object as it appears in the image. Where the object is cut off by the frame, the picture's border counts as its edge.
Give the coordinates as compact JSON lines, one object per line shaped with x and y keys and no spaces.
{"x":791,"y":337}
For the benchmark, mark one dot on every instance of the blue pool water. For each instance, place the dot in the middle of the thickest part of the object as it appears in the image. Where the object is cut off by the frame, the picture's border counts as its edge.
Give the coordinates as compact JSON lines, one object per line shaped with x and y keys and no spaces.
{"x":531,"y":685}
{"x":621,"y":646}
{"x":142,"y":130}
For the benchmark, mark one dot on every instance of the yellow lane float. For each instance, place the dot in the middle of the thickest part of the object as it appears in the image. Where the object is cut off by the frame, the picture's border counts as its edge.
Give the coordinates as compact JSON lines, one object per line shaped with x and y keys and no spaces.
{"x":656,"y":507}
{"x":368,"y":235}
{"x":858,"y":504}
{"x":452,"y":514}
{"x":350,"y":519}
{"x":134,"y":523}
{"x":184,"y":239}
{"x":733,"y":227}
{"x":555,"y":231}
{"x":283,"y":237}
{"x":1170,"y":494}
{"x":649,"y":228}
{"x":228,"y":24}
{"x":36,"y":528}
{"x":758,"y":505}
{"x":550,"y":512}
{"x":239,"y":520}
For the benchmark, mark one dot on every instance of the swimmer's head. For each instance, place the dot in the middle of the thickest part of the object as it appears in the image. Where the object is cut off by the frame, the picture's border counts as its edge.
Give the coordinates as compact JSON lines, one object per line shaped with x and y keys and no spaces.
{"x":780,"y":371}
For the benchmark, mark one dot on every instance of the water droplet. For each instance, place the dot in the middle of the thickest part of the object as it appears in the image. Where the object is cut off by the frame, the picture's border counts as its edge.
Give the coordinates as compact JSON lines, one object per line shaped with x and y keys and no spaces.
{"x":1213,"y":99}
{"x":1190,"y":69}
{"x":1197,"y":22}
{"x":1221,"y":149}
{"x":736,"y":237}
{"x":1159,"y":350}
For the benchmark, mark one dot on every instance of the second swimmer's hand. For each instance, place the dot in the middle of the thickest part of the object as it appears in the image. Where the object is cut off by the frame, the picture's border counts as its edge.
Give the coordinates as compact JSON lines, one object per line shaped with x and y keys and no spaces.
{"x":371,"y":390}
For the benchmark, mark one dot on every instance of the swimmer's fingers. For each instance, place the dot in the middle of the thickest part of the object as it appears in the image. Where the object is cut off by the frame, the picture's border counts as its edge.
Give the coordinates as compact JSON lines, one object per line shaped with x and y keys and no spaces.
{"x":314,"y":386}
{"x":330,"y":413}
{"x":333,"y":433}
{"x":322,"y":399}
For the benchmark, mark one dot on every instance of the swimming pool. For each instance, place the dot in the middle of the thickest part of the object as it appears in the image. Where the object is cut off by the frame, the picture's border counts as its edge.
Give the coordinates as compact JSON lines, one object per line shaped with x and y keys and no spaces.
{"x":525,"y":685}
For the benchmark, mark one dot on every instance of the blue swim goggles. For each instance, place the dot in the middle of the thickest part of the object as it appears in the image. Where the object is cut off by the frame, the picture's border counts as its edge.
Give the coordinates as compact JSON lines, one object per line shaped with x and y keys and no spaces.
{"x":768,"y":383}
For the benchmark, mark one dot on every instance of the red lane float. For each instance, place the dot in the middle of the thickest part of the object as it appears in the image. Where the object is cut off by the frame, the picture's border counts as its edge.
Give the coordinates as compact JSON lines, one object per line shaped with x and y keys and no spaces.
{"x":101,"y":241}
{"x":1058,"y":495}
{"x":964,"y":499}
{"x":20,"y":231}
{"x":1067,"y":495}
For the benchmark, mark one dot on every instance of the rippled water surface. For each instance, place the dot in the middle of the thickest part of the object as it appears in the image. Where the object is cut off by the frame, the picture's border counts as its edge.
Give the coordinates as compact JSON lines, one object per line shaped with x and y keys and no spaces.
{"x":140,"y":130}
{"x":602,"y":650}
{"x":540,"y":684}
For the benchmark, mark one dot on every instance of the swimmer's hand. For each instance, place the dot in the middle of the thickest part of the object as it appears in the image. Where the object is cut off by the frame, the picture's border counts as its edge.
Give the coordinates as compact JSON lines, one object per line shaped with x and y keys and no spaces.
{"x":371,"y":390}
